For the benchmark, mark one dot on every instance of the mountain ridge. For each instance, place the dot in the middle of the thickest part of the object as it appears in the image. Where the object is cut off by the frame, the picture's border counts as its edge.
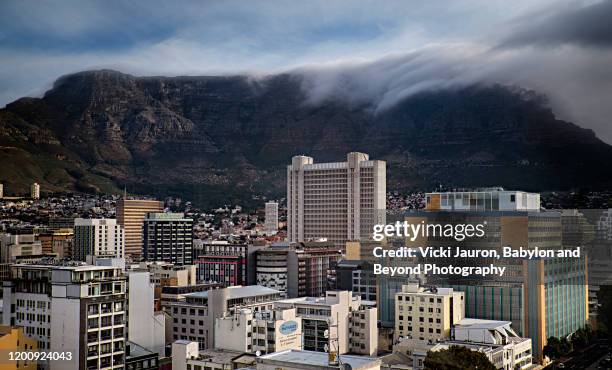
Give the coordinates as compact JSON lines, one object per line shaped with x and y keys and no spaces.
{"x":220,"y":138}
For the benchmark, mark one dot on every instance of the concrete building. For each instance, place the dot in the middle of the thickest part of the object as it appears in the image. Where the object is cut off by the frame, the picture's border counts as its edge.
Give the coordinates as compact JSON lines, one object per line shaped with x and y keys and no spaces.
{"x":298,"y":269}
{"x":194,"y":318}
{"x":339,"y":201}
{"x":227,"y":263}
{"x":146,"y":328}
{"x":350,"y":323}
{"x":427,"y":314}
{"x":271,"y":222}
{"x":357,"y":277}
{"x":1,"y":191}
{"x":261,"y":332}
{"x":140,"y":358}
{"x":13,"y":339}
{"x":130,"y":215}
{"x":187,"y":356}
{"x":168,"y":237}
{"x":59,"y":241}
{"x":167,"y":274}
{"x":98,"y":237}
{"x":18,"y":244}
{"x":309,"y":360}
{"x":35,"y":191}
{"x":70,"y":307}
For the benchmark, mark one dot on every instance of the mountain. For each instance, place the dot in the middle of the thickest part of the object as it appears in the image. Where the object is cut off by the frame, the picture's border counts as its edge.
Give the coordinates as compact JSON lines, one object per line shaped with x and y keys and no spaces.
{"x":224,"y":138}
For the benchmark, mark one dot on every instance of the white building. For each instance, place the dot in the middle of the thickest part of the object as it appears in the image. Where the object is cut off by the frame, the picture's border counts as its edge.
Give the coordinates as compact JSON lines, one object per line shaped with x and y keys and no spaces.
{"x":145,"y":327}
{"x":427,"y":314}
{"x":349,"y":323}
{"x":339,"y":201}
{"x":70,"y":307}
{"x":1,"y":191}
{"x":98,"y":237}
{"x":486,"y":199}
{"x":309,"y":360}
{"x":194,"y":318}
{"x":271,"y":222}
{"x":35,"y":191}
{"x":260,"y":332}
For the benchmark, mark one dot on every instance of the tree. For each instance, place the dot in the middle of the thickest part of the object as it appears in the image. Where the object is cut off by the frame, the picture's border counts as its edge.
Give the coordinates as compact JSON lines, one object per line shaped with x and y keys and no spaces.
{"x":556,"y":348}
{"x":457,"y":358}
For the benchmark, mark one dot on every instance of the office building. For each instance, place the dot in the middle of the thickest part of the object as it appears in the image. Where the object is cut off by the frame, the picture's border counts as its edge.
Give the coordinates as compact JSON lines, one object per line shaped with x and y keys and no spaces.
{"x":349,"y":322}
{"x":13,"y":339}
{"x":168,"y":237}
{"x":227,"y":263}
{"x":427,"y":314}
{"x":248,"y":331}
{"x":194,"y":318}
{"x":271,"y":221}
{"x":187,"y":356}
{"x":99,"y":238}
{"x":70,"y":307}
{"x":140,"y":358}
{"x":35,"y":191}
{"x":130,"y":215}
{"x":485,"y":199}
{"x":542,"y":297}
{"x":339,"y":201}
{"x":298,"y":269}
{"x":357,"y":277}
{"x":59,"y":241}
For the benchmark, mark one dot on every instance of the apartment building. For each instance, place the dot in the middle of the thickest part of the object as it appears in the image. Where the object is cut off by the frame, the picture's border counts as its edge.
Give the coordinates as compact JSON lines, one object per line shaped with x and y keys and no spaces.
{"x":427,"y":314}
{"x":358,"y":277}
{"x":17,"y":244}
{"x":70,"y":307}
{"x":298,"y":269}
{"x":99,"y":238}
{"x":267,"y":331}
{"x":339,"y":201}
{"x":271,"y":221}
{"x":194,"y":318}
{"x":338,"y":322}
{"x":35,"y":191}
{"x":168,"y":237}
{"x":130,"y":215}
{"x":484,"y":199}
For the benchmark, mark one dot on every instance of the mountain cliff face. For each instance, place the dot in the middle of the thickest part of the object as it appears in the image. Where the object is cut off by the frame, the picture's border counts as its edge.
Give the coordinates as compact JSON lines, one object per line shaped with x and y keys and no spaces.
{"x":218,"y":138}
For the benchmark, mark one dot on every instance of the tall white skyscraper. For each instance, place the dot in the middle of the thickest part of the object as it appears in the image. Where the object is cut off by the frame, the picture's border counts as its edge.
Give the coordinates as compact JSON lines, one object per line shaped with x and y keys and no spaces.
{"x":1,"y":191}
{"x":340,"y":201}
{"x":35,"y":191}
{"x":98,"y":237}
{"x":271,"y":218}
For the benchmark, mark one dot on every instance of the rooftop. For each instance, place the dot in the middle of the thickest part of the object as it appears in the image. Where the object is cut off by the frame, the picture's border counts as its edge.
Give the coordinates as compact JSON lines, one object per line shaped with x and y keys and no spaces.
{"x":239,"y":292}
{"x":318,"y":359}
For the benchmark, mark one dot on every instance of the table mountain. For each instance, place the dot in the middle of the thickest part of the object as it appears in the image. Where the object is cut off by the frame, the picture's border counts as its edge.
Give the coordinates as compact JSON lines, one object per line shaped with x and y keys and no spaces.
{"x":219,"y":138}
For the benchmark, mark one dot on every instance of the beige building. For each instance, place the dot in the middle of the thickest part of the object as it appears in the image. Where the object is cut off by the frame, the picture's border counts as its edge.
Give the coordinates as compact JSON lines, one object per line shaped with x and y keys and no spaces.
{"x":339,"y":201}
{"x":131,"y":214}
{"x":271,"y":222}
{"x":427,"y":314}
{"x":165,"y":273}
{"x":1,"y":191}
{"x":97,"y":237}
{"x":35,"y":191}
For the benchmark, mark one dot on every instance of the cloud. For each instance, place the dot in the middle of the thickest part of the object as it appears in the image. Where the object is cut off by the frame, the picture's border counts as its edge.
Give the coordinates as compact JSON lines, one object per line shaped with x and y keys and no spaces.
{"x":364,"y":52}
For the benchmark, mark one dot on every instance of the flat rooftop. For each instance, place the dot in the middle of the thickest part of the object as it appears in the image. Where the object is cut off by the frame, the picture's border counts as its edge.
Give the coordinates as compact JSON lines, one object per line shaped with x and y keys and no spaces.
{"x":239,"y":292}
{"x":318,"y":359}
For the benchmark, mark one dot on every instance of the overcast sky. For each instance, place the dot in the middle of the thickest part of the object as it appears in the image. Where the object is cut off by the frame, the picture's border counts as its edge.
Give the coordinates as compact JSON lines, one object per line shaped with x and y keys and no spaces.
{"x":376,"y":52}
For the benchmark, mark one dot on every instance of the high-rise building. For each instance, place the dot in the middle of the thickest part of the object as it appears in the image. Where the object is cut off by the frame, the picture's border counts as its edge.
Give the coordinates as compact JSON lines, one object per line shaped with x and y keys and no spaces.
{"x":1,"y":191}
{"x":339,"y":201}
{"x":427,"y":314}
{"x":271,"y":222}
{"x":300,"y":269}
{"x":70,"y":307}
{"x":35,"y":191}
{"x":542,"y":297}
{"x":18,"y":243}
{"x":97,"y":237}
{"x":168,"y":237}
{"x":130,"y":215}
